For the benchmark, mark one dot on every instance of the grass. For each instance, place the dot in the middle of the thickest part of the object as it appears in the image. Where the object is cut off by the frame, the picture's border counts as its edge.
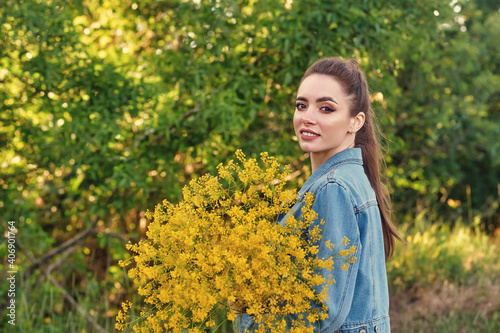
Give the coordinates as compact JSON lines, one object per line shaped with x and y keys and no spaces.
{"x":472,"y":322}
{"x":448,"y":308}
{"x":445,"y":280}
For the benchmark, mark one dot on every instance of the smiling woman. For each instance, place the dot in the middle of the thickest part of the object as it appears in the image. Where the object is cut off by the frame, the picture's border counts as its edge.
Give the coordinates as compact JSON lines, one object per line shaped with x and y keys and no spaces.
{"x":322,"y":119}
{"x":334,"y":122}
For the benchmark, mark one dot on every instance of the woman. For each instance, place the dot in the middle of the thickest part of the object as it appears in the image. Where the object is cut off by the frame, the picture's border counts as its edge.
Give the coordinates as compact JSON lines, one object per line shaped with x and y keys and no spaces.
{"x":334,"y":123}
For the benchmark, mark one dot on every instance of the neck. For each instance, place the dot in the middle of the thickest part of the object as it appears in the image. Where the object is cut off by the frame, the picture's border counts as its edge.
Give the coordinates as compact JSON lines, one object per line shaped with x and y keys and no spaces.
{"x":318,"y":158}
{"x":316,"y":161}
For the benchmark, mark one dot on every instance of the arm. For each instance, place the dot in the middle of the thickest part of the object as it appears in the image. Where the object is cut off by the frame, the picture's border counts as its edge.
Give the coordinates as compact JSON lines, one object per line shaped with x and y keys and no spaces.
{"x":333,"y":205}
{"x":244,"y":323}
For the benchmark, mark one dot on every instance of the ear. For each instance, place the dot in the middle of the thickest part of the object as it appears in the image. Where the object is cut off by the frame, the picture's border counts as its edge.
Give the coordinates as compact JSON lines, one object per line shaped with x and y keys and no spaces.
{"x":357,"y":122}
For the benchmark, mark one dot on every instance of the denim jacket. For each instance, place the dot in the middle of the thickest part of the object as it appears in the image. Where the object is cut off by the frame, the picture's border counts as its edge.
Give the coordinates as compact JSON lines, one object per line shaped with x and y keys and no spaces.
{"x":344,"y":199}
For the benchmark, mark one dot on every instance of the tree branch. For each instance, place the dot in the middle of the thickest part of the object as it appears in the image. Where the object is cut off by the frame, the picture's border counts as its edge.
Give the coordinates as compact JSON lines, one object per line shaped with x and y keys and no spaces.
{"x":78,"y":238}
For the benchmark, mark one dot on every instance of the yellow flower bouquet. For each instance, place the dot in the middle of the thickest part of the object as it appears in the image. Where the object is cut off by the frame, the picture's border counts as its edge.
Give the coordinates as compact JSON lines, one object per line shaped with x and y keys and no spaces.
{"x":223,"y":242}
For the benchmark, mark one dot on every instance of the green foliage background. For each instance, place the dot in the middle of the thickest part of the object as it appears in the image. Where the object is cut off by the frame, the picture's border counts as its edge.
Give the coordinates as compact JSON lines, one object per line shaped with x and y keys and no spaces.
{"x":109,"y":106}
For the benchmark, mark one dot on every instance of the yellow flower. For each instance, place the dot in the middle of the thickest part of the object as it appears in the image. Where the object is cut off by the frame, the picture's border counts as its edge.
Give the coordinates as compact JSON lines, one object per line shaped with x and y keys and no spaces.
{"x":222,"y":242}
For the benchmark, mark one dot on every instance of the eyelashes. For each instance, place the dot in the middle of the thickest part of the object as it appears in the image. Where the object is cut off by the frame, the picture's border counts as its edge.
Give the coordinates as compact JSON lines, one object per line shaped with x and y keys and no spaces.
{"x":327,"y":109}
{"x":302,"y":106}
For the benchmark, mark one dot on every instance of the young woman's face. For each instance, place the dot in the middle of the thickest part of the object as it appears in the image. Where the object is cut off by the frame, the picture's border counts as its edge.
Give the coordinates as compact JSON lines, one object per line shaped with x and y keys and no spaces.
{"x":322,"y":119}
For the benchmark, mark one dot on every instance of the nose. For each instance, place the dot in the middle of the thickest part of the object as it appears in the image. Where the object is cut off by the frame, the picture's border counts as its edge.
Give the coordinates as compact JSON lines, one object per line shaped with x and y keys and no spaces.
{"x":308,"y":116}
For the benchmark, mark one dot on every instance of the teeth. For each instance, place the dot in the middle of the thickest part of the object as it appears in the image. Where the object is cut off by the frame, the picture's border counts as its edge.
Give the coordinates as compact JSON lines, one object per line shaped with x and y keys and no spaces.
{"x":309,"y":134}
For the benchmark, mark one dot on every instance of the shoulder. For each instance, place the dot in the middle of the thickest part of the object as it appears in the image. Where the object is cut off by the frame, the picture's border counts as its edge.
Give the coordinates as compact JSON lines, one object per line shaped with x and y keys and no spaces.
{"x":347,"y":176}
{"x":344,"y":175}
{"x":346,"y":180}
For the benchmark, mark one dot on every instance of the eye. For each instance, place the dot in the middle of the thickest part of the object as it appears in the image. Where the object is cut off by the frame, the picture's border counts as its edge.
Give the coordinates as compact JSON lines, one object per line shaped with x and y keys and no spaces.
{"x":300,"y":106}
{"x":326,"y":109}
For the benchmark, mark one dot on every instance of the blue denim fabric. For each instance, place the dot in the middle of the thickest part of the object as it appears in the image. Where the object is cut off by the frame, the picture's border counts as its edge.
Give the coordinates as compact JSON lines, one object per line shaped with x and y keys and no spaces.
{"x":345,"y":200}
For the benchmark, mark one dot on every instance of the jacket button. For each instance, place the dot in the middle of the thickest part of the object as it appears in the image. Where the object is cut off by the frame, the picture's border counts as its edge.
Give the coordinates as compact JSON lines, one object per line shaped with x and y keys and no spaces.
{"x":376,"y":328}
{"x":362,"y":331}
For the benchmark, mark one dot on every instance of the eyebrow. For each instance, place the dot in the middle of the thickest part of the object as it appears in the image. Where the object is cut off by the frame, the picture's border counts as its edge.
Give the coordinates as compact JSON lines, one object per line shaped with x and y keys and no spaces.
{"x":319,"y":100}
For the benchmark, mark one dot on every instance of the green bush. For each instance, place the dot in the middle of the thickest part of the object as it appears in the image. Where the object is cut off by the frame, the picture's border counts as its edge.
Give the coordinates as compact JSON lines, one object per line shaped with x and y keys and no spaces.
{"x":440,"y":253}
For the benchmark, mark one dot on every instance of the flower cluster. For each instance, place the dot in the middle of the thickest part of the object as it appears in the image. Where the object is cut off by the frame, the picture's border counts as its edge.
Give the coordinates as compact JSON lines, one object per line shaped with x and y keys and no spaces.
{"x":223,"y":242}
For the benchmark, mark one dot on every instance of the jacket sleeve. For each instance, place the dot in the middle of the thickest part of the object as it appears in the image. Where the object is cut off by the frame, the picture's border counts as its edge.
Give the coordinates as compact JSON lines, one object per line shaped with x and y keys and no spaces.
{"x":334,"y":205}
{"x":244,"y":323}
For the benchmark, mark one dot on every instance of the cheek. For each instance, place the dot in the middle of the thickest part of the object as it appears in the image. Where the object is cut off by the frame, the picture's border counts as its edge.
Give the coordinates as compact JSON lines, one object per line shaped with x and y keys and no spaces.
{"x":296,"y":120}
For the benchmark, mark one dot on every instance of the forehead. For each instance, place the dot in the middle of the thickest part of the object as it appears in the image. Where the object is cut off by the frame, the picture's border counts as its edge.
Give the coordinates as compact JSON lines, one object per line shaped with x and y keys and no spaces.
{"x":320,"y":85}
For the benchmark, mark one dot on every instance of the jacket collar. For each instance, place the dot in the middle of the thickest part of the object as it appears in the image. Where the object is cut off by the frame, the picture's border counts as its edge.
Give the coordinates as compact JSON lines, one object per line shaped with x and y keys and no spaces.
{"x":350,"y":155}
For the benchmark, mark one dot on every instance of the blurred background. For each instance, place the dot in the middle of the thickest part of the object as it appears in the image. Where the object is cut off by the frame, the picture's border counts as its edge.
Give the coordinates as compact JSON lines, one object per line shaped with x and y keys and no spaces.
{"x":110,"y":106}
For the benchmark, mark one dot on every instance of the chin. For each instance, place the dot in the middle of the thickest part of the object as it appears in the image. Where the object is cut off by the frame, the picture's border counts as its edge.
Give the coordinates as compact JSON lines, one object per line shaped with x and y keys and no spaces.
{"x":307,"y":149}
{"x":304,"y":149}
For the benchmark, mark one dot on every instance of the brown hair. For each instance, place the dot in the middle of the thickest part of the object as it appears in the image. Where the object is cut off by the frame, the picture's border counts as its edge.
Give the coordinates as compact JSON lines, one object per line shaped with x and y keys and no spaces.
{"x":351,"y":78}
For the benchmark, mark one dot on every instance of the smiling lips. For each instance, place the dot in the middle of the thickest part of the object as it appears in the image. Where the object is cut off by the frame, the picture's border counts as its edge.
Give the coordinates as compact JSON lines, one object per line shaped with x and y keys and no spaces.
{"x":309,"y":135}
